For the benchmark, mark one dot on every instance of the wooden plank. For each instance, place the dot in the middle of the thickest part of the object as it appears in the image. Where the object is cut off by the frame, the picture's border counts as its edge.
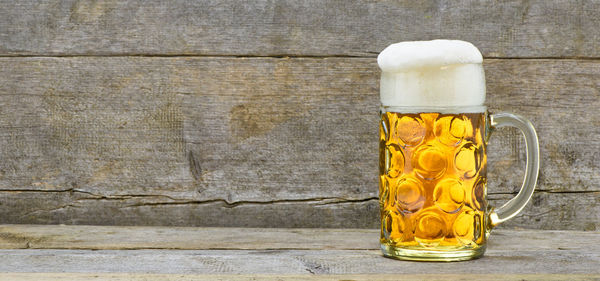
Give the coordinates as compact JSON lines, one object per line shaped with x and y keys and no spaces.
{"x":155,"y":252}
{"x":563,"y":210}
{"x":546,"y":211}
{"x":305,"y":28}
{"x":211,"y":238}
{"x":290,"y":262}
{"x":561,"y":99}
{"x":266,"y":277}
{"x":261,"y":142}
{"x":187,"y":238}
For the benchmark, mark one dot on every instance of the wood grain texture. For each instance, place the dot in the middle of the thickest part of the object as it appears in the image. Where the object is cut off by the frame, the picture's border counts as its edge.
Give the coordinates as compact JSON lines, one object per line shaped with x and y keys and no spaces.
{"x":262,"y":142}
{"x":195,"y":238}
{"x":296,"y":277}
{"x":167,"y":253}
{"x":295,"y":28}
{"x":291,"y":252}
{"x":230,"y":238}
{"x":288,"y":262}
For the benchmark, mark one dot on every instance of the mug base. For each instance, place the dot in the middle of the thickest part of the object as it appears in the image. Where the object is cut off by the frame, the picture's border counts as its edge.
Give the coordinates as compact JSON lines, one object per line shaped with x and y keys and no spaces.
{"x":424,"y":254}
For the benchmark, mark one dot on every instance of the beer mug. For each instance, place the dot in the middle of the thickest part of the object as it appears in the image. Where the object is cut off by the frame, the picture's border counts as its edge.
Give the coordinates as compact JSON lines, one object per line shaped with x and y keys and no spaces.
{"x":432,"y":167}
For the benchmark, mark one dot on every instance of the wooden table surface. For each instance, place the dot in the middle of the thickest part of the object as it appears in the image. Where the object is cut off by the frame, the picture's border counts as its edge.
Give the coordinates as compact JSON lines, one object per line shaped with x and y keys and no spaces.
{"x":30,"y":252}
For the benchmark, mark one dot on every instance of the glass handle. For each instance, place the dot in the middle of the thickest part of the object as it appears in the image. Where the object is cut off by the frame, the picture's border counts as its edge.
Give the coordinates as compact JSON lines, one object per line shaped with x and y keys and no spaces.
{"x":515,"y":205}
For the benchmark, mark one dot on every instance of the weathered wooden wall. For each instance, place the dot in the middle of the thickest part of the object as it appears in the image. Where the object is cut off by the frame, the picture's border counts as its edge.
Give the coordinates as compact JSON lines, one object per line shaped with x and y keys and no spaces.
{"x":232,"y":113}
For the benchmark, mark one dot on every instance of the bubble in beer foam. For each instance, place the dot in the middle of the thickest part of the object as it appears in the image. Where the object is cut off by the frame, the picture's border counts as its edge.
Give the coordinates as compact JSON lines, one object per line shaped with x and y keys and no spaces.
{"x":438,"y":73}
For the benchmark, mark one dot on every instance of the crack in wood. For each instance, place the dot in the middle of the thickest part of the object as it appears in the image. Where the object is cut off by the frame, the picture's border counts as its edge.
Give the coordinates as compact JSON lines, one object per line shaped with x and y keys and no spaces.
{"x":195,"y":168}
{"x":366,"y":55}
{"x":319,"y":201}
{"x":177,"y":55}
{"x":313,"y":267}
{"x":128,"y":196}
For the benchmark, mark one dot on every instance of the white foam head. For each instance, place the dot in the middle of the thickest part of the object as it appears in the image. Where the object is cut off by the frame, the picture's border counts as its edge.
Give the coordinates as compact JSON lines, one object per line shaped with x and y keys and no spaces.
{"x":432,"y":74}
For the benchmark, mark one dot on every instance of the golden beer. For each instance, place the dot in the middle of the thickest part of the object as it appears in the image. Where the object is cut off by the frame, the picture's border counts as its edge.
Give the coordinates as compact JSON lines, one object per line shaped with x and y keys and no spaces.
{"x":432,"y":185}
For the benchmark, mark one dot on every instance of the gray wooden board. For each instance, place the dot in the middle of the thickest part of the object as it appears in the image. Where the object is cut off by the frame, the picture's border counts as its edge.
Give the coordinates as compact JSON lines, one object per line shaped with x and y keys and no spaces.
{"x":306,"y":28}
{"x":190,"y":238}
{"x":296,"y":277}
{"x":290,"y":262}
{"x":277,"y":142}
{"x":547,"y":211}
{"x":283,"y":253}
{"x":230,"y":238}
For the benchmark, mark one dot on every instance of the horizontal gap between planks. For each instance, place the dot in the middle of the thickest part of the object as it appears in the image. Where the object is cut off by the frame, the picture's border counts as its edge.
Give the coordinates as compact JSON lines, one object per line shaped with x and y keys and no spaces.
{"x":263,"y":56}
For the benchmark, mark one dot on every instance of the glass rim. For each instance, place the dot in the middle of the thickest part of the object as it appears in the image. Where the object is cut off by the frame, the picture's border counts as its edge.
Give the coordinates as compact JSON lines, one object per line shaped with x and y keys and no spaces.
{"x":435,"y":109}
